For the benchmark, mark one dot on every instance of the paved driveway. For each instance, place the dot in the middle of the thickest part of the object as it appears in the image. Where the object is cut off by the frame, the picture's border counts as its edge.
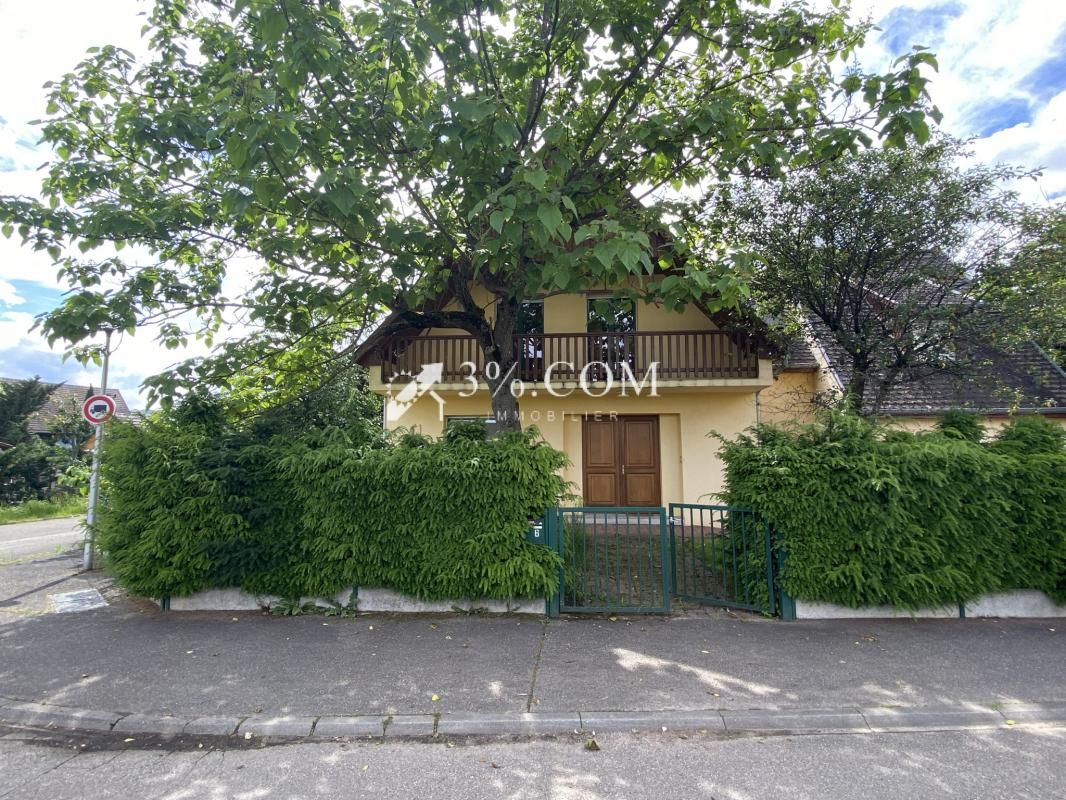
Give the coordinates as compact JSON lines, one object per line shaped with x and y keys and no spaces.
{"x":21,"y":539}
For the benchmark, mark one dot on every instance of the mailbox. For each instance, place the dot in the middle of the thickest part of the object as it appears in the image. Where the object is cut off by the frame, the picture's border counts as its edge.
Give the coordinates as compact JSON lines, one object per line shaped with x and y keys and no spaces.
{"x":536,"y":533}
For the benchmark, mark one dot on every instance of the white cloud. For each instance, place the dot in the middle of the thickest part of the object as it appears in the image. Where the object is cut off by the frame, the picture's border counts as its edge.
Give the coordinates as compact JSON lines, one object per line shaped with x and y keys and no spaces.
{"x":39,"y":42}
{"x":985,"y":51}
{"x":9,"y":296}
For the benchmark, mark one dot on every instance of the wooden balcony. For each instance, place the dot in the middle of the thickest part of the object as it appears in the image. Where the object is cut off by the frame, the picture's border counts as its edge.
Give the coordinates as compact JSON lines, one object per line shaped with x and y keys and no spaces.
{"x":679,"y":355}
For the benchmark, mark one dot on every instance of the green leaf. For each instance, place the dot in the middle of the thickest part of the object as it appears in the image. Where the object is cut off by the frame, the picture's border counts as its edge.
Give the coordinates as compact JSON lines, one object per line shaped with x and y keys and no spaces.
{"x":550,"y":217}
{"x":553,"y":134}
{"x":268,"y":189}
{"x":236,"y":150}
{"x":506,"y":131}
{"x":537,"y":178}
{"x":290,"y":142}
{"x":496,"y":220}
{"x":604,"y":252}
{"x":474,"y":109}
{"x":273,"y":24}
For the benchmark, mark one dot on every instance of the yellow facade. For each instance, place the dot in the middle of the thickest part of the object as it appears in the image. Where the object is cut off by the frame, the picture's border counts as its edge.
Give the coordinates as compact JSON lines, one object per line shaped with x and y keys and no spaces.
{"x":690,"y":469}
{"x":689,"y":408}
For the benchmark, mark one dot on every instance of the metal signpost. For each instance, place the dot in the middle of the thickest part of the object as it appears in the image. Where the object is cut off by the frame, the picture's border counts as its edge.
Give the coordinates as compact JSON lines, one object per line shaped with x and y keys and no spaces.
{"x":97,"y":409}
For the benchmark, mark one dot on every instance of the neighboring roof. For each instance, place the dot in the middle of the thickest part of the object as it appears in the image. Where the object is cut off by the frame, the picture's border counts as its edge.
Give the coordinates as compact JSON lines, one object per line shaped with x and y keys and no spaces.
{"x":799,"y":357}
{"x":1023,"y":379}
{"x":65,"y":396}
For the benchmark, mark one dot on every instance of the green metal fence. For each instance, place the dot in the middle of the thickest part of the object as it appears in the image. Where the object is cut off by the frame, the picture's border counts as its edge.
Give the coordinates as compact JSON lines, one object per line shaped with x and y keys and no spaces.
{"x":634,"y":559}
{"x":615,"y":559}
{"x":722,"y":555}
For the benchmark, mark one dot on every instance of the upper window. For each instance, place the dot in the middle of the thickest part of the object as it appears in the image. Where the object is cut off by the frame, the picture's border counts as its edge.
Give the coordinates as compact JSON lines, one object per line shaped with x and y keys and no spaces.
{"x":611,"y":315}
{"x":530,"y":317}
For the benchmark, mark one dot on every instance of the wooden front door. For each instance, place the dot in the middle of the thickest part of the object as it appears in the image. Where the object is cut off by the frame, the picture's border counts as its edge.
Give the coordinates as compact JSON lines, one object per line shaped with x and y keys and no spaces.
{"x":621,"y":461}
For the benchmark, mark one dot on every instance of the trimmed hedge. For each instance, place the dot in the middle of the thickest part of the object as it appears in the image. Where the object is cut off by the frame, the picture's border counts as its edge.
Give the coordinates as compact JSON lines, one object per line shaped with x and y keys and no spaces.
{"x":193,"y":503}
{"x":874,"y":517}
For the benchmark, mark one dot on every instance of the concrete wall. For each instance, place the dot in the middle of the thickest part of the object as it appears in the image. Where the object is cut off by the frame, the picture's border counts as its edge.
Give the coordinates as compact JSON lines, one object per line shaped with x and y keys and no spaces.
{"x":369,"y":599}
{"x":1022,"y":603}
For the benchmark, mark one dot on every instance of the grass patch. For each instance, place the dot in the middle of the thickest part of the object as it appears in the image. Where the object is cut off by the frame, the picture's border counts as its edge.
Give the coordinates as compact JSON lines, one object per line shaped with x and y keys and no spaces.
{"x":69,"y":506}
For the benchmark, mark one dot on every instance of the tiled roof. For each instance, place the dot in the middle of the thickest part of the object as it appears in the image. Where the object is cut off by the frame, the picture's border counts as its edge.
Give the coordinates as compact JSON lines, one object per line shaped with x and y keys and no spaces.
{"x":799,"y":357}
{"x":990,"y":381}
{"x":68,"y":396}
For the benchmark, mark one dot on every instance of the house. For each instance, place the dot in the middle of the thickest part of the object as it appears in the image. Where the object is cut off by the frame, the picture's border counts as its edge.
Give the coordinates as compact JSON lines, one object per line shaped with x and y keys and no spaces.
{"x":995,"y":385}
{"x":585,"y":364}
{"x":66,"y":400}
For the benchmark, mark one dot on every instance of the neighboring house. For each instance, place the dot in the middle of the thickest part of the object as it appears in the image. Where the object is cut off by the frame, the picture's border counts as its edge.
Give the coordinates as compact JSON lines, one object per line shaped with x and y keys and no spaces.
{"x":629,"y":448}
{"x":67,"y":398}
{"x":996,"y":385}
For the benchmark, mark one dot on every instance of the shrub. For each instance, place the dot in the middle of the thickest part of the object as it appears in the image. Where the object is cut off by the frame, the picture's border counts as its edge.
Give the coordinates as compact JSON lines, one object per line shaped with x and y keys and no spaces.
{"x":962,"y":425}
{"x":195,"y":503}
{"x":1030,"y":436}
{"x":906,"y":520}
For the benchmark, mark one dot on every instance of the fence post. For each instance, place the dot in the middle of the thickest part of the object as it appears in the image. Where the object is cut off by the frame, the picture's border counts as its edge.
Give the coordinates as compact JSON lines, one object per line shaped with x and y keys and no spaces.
{"x":673,"y":549}
{"x":554,"y":536}
{"x":786,"y":604}
{"x":668,"y":576}
{"x":771,"y":583}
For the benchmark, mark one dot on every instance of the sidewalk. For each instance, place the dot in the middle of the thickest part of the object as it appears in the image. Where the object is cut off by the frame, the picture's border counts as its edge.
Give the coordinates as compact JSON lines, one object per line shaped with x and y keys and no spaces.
{"x":130,"y":665}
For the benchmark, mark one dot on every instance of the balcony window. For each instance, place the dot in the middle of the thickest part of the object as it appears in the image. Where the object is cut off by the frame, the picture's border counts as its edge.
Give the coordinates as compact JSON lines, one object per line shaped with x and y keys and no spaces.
{"x":611,"y":314}
{"x":614,"y":317}
{"x":530,"y":317}
{"x":530,"y":351}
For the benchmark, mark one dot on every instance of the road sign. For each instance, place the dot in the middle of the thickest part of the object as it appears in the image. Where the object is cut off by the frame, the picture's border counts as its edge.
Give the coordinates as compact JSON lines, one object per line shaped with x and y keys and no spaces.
{"x":98,"y":408}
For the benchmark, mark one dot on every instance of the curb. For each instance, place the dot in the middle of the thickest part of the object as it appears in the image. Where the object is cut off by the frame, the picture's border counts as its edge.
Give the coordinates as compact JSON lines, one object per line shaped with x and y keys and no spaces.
{"x":762,"y":722}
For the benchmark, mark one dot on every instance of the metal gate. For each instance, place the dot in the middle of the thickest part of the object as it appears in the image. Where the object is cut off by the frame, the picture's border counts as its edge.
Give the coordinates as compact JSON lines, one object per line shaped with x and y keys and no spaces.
{"x":722,"y":556}
{"x":615,"y":559}
{"x":633,"y":559}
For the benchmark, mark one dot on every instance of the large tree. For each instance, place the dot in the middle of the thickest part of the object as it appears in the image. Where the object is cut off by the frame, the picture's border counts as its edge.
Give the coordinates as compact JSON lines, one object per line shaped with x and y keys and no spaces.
{"x":379,"y":156}
{"x":908,"y":261}
{"x":27,"y":467}
{"x":1037,"y":295}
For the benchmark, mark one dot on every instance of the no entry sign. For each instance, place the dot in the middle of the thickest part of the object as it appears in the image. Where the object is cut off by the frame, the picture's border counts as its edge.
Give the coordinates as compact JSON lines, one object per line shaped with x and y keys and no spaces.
{"x":98,"y":408}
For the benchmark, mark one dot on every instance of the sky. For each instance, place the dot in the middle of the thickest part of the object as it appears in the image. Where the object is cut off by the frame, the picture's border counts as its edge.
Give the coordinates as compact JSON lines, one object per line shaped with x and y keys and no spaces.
{"x":1002,"y":82}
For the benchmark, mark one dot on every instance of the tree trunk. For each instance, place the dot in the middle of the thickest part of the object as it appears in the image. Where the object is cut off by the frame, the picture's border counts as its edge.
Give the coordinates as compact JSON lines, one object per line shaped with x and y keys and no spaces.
{"x":499,"y":350}
{"x":855,"y":391}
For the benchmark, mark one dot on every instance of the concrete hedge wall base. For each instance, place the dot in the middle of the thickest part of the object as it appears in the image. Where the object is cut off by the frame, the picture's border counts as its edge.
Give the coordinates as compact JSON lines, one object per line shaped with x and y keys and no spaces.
{"x":811,"y":609}
{"x":368,"y":600}
{"x":388,"y":600}
{"x":1020,"y":603}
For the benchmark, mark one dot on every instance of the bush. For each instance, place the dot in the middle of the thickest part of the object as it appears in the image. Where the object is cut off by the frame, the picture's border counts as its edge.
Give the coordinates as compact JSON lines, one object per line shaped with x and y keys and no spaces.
{"x":194,"y":503}
{"x":962,"y":425}
{"x":907,"y":520}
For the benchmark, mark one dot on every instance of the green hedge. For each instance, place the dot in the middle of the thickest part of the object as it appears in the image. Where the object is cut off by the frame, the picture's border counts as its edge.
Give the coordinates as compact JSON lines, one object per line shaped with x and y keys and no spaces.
{"x":870,"y":517}
{"x":193,"y":503}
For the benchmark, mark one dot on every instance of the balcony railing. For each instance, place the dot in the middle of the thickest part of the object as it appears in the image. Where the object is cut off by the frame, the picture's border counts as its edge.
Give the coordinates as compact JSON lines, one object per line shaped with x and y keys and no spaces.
{"x":679,"y":355}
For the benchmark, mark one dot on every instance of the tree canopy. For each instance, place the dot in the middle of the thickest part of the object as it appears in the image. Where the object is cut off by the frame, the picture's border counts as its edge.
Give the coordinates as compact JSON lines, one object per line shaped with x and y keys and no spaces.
{"x":371,"y":157}
{"x":908,"y":261}
{"x":26,"y":463}
{"x":1037,"y":296}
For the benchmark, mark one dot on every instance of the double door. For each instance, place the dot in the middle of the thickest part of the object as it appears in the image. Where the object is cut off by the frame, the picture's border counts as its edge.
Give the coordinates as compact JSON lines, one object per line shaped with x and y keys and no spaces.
{"x":620,"y":456}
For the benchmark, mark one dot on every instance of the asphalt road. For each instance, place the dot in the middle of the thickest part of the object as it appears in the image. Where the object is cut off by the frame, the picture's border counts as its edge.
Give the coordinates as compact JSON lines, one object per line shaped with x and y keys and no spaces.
{"x":21,"y":539}
{"x":987,"y":765}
